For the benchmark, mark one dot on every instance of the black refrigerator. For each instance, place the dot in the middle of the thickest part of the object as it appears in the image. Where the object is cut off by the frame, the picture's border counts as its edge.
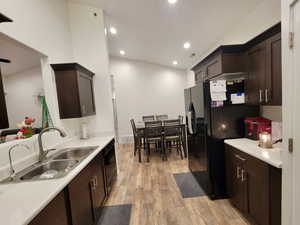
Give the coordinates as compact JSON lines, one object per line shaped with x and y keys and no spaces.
{"x":208,"y":127}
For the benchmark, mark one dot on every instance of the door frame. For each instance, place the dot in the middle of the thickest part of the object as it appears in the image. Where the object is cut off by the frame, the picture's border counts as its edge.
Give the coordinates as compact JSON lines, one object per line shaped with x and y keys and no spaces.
{"x":290,"y":12}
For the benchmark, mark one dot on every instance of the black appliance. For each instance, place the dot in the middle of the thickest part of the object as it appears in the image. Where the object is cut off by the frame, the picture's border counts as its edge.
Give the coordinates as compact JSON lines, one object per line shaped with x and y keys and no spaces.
{"x":208,"y":126}
{"x":110,"y":165}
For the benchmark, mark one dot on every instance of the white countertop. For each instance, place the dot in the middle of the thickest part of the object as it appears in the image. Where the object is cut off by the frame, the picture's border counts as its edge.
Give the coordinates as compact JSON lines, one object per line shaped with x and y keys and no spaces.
{"x":270,"y":156}
{"x":21,"y":202}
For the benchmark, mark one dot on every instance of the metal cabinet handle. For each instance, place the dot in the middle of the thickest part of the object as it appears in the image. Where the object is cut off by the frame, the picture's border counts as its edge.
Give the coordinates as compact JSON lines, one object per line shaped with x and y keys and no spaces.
{"x":266,"y":95}
{"x":238,"y":172}
{"x":239,"y":157}
{"x":243,"y":176}
{"x":260,"y":95}
{"x":96,"y":181}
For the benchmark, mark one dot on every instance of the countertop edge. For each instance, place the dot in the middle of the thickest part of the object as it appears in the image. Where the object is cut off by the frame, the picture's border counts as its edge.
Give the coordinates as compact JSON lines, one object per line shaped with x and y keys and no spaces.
{"x":66,"y":179}
{"x":274,"y":163}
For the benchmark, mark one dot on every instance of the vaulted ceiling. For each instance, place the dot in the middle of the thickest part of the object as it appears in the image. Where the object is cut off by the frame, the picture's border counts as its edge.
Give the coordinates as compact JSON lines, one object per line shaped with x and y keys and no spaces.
{"x":155,"y":31}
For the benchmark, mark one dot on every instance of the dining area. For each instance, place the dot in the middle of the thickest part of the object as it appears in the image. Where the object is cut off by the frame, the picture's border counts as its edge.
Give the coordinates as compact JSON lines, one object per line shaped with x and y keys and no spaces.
{"x":159,"y":134}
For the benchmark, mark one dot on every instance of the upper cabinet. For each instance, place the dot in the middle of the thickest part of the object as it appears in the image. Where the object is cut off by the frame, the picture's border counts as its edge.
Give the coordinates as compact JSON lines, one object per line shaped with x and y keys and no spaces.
{"x":75,"y":91}
{"x":273,"y":70}
{"x":256,"y":68}
{"x":3,"y":110}
{"x":260,"y":58}
{"x":263,"y":60}
{"x":225,"y":59}
{"x":3,"y":18}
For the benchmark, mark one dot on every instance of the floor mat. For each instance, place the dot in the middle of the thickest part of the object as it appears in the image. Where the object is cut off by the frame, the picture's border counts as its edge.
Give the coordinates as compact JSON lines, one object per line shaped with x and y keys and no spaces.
{"x":188,"y":185}
{"x":115,"y":215}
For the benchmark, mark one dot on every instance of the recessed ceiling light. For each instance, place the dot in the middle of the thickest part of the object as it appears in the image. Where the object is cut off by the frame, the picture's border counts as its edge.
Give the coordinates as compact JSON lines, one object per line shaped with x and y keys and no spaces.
{"x":172,"y":1}
{"x":122,"y":52}
{"x":187,"y":45}
{"x":175,"y":63}
{"x":113,"y":30}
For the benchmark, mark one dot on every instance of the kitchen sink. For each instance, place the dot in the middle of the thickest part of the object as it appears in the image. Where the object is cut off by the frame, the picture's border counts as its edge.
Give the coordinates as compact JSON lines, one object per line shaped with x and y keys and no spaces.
{"x":50,"y":170}
{"x":56,"y":166}
{"x":74,"y":153}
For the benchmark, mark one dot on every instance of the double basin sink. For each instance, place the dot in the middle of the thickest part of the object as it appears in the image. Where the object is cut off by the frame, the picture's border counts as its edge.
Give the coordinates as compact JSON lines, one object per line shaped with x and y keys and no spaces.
{"x":56,"y":166}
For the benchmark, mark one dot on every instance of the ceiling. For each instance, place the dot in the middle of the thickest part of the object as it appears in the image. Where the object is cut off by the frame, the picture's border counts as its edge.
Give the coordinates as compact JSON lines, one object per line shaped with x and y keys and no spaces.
{"x":22,"y":57}
{"x":154,"y":31}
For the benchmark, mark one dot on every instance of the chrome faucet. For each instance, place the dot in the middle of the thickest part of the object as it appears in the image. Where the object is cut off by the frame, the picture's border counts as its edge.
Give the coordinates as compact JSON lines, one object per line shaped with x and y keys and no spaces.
{"x":11,"y":168}
{"x":43,"y":153}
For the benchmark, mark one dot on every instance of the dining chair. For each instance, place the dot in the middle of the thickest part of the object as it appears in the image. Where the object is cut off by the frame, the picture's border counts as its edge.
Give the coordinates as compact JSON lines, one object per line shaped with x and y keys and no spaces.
{"x":162,"y":117}
{"x":180,"y":117}
{"x":173,"y":135}
{"x":148,"y":118}
{"x":153,"y":135}
{"x":138,"y":139}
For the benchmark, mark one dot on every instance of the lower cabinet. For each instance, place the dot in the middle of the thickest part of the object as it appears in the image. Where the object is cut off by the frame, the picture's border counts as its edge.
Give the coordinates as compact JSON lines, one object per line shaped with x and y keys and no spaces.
{"x":254,"y":187}
{"x":54,"y":213}
{"x":80,"y":197}
{"x":80,"y":202}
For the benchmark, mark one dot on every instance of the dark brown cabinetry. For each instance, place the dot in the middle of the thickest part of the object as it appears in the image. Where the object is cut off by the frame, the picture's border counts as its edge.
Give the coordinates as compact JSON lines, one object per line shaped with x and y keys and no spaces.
{"x":260,"y":58}
{"x":4,"y":18}
{"x":87,"y":192}
{"x":97,"y":185}
{"x":75,"y":90}
{"x":55,"y":212}
{"x":3,"y":110}
{"x":273,"y":71}
{"x":256,"y":68}
{"x":80,"y":195}
{"x":225,"y":59}
{"x":254,"y":187}
{"x":263,"y":60}
{"x":80,"y":202}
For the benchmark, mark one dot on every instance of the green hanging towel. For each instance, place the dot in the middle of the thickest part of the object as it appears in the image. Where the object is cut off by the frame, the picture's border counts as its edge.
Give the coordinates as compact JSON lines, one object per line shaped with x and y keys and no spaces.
{"x":46,"y":118}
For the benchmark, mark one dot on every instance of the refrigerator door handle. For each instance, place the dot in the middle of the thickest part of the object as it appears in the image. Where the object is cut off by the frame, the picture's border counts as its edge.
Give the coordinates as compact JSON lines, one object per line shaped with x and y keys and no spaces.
{"x":190,"y":126}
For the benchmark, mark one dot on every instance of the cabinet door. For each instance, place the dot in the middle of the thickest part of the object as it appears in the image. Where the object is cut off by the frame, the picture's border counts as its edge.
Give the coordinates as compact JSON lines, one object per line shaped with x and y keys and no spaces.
{"x":86,"y":94}
{"x":3,"y":111}
{"x":239,"y":197}
{"x":273,"y":90}
{"x":98,"y":185}
{"x":54,"y":213}
{"x":231,"y":174}
{"x":80,"y":196}
{"x":236,"y":179}
{"x":258,"y":190}
{"x":256,"y":66}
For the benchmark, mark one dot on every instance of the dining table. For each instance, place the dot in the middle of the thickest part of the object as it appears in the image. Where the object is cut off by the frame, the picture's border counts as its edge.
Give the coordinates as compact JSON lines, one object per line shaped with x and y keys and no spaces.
{"x":140,"y":126}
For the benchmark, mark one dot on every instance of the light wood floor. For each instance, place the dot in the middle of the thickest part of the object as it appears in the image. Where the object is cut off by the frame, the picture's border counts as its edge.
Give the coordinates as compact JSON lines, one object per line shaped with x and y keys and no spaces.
{"x":156,"y":199}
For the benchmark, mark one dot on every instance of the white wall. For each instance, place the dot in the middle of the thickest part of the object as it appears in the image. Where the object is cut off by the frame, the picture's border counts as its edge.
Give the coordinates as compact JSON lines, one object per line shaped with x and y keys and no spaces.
{"x":90,"y":50}
{"x":21,"y":91}
{"x":146,"y":89}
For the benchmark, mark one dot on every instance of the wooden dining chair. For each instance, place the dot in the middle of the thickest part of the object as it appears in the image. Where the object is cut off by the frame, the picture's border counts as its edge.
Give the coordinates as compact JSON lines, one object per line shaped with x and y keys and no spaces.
{"x":162,"y":117}
{"x":181,"y":119}
{"x":153,"y":135}
{"x":138,"y":139}
{"x":148,"y":118}
{"x":173,"y":135}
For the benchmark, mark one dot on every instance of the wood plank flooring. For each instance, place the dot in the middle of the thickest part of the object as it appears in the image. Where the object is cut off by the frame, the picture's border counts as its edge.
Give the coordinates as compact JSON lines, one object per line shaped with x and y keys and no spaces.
{"x":156,"y":199}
